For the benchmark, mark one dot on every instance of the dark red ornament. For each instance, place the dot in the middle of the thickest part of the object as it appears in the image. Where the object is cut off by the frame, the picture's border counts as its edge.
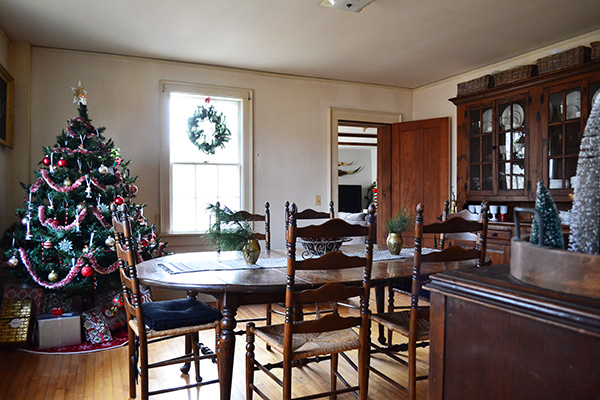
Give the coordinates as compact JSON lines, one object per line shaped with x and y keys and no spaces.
{"x":119,"y":200}
{"x":144,"y":242}
{"x":62,"y":162}
{"x":46,"y":161}
{"x":87,"y":271}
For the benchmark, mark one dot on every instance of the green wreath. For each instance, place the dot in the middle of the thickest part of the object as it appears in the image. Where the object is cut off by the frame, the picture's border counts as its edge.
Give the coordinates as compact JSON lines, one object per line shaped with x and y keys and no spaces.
{"x":203,"y":141}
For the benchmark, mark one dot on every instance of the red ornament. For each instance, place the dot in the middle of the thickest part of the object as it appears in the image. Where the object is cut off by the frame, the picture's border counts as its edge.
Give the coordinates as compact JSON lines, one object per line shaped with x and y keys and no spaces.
{"x":57,"y":311}
{"x":119,"y":200}
{"x":118,"y":301}
{"x":47,"y":244}
{"x":144,"y":242}
{"x":62,"y":162}
{"x":87,"y":271}
{"x":46,"y":161}
{"x":133,"y":190}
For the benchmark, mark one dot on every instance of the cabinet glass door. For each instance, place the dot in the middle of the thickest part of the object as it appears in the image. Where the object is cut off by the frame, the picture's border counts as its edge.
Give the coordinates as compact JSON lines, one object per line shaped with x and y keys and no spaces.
{"x":565,"y":129}
{"x":481,"y":151}
{"x":511,"y":145}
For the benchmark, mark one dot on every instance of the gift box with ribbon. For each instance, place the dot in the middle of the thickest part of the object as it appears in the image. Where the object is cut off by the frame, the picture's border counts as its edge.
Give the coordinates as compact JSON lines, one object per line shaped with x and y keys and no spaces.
{"x":15,"y":321}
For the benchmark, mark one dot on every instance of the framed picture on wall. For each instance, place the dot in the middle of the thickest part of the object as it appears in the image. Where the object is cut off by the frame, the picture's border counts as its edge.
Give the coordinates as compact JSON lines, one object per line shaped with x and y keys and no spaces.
{"x":7,"y":85}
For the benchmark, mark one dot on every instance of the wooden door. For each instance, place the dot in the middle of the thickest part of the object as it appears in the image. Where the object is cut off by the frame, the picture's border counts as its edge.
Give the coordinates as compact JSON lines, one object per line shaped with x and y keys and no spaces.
{"x":413,"y":164}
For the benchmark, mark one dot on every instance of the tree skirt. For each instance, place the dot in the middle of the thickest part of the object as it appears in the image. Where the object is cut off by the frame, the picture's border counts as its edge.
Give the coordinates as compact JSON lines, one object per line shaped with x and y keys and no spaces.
{"x":119,"y":339}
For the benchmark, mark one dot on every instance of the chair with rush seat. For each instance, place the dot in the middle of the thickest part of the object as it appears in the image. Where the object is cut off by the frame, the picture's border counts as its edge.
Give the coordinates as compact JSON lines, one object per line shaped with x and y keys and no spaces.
{"x":414,"y":322}
{"x":156,"y":321}
{"x":301,"y":342}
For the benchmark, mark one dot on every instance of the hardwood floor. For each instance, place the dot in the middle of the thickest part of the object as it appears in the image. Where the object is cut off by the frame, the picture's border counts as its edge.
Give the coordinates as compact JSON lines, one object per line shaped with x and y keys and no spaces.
{"x":103,"y":375}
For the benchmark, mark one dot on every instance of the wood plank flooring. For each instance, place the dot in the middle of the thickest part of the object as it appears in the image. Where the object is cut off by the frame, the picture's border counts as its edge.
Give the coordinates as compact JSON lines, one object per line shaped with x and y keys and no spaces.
{"x":103,"y":375}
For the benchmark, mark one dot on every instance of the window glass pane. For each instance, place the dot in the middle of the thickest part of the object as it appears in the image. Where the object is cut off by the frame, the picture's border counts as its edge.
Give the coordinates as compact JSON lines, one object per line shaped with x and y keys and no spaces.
{"x":503,"y":176}
{"x":555,"y":168}
{"x":573,"y":101}
{"x":475,"y":123}
{"x":573,"y":138}
{"x":183,"y":215}
{"x":180,"y":180}
{"x":475,"y":179}
{"x":570,"y":170}
{"x":486,"y":147}
{"x":555,"y":107}
{"x":487,"y":180}
{"x":474,"y":149}
{"x":555,"y":140}
{"x":229,"y":181}
{"x":518,"y":145}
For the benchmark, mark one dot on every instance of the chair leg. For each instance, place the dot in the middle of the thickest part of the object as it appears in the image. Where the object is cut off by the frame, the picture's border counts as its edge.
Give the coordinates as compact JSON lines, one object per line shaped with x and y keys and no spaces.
{"x":195,"y":338}
{"x":269,"y":309}
{"x":412,"y":370}
{"x":333,"y":377}
{"x":143,"y":368}
{"x":132,"y":363}
{"x":364,"y":361}
{"x":249,"y":360}
{"x":185,"y":368}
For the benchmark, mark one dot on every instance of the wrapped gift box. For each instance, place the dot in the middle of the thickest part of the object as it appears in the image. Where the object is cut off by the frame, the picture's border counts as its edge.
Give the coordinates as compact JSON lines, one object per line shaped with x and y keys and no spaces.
{"x":15,"y":321}
{"x":59,"y":331}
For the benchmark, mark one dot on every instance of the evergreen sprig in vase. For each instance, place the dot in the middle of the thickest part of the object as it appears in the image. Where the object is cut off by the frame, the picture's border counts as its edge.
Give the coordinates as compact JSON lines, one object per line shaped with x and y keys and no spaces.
{"x":396,"y":225}
{"x":230,"y":232}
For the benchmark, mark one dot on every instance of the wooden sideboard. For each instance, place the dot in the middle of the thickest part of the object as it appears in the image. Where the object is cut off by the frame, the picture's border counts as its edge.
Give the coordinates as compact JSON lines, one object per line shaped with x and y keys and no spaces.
{"x":494,"y":337}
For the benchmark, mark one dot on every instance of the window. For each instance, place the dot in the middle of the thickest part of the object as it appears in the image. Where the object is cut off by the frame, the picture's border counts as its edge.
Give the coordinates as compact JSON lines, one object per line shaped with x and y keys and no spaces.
{"x":192,"y":179}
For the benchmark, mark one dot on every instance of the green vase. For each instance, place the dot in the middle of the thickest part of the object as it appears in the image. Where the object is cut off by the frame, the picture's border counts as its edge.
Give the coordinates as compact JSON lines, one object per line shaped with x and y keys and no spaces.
{"x":251,"y":251}
{"x":394,"y":243}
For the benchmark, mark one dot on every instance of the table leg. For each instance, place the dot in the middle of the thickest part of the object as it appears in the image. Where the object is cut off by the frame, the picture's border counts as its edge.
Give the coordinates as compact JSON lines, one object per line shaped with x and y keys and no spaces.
{"x":226,"y":350}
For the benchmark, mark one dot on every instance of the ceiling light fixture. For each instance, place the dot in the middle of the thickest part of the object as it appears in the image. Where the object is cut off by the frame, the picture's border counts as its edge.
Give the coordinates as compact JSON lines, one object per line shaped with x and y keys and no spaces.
{"x":348,"y":5}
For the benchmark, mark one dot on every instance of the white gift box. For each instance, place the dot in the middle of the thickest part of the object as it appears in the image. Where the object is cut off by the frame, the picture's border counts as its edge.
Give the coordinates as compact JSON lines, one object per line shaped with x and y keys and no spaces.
{"x":58,"y":331}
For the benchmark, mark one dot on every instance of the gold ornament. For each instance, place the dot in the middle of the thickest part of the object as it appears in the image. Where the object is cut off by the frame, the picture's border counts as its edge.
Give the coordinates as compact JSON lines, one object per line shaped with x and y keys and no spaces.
{"x":67,"y":182}
{"x":53,"y":276}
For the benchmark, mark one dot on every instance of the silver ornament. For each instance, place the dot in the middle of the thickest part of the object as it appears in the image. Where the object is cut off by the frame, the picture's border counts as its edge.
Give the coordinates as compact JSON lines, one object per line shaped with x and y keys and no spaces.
{"x":110,"y":241}
{"x":13,"y":261}
{"x":103,"y":169}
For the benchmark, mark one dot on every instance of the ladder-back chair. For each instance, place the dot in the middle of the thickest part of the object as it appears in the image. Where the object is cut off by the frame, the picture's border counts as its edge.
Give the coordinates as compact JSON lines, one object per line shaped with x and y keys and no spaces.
{"x":159,"y":320}
{"x":300,"y":342}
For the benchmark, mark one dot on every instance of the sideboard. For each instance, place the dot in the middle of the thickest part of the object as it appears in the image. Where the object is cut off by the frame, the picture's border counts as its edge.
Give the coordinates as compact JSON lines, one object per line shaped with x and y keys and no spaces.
{"x":494,"y":337}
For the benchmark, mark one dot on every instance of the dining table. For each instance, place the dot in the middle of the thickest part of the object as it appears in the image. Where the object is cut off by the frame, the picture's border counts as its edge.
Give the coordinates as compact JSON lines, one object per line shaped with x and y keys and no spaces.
{"x":226,"y":276}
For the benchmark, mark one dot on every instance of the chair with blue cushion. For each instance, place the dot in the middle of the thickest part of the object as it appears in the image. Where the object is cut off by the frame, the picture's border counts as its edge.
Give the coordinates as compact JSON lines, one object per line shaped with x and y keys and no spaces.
{"x":156,"y":321}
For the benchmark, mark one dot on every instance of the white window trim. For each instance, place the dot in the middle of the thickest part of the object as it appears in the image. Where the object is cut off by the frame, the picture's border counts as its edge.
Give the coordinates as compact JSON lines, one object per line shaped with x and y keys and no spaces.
{"x":165,"y":87}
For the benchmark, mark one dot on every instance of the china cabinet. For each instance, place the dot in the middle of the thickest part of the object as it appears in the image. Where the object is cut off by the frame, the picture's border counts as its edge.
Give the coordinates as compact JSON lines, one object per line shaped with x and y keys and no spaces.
{"x":511,"y":136}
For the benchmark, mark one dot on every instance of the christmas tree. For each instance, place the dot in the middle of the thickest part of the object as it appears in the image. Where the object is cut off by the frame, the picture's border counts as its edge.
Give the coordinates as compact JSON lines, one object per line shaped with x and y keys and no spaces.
{"x":551,"y":222}
{"x":64,"y":242}
{"x":585,"y":215}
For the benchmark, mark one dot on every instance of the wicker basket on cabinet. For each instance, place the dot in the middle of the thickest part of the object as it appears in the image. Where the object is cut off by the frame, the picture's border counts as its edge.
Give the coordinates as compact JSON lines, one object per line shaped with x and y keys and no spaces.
{"x":514,"y":75}
{"x":475,"y":85}
{"x":564,"y":59}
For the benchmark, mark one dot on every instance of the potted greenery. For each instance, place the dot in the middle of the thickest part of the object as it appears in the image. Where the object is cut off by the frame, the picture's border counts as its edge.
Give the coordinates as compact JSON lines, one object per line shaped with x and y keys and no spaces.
{"x":396,"y":225}
{"x":230,"y":232}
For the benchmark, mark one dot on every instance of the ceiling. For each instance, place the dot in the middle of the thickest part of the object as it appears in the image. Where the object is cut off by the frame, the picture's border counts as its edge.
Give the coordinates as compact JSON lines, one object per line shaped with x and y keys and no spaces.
{"x":400,"y":43}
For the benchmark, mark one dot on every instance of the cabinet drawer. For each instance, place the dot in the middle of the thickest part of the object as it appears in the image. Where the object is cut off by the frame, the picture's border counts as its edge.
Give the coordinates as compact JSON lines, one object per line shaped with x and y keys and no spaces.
{"x":499,"y":234}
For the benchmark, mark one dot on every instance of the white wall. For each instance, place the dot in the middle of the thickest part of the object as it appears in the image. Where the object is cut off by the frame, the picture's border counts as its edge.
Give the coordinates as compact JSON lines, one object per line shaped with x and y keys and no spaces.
{"x":364,"y":157}
{"x":432,"y":101}
{"x":291,"y":137}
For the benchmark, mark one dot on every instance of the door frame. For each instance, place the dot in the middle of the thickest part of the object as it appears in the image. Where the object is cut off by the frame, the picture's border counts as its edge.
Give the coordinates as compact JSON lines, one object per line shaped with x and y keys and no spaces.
{"x":346,"y":114}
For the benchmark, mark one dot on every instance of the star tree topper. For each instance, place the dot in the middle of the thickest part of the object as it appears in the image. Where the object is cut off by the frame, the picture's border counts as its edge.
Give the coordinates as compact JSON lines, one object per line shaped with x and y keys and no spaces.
{"x":79,"y":94}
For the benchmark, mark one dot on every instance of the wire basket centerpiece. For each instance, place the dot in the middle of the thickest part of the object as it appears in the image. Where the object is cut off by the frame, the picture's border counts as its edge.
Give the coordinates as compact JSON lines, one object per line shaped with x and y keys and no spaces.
{"x":316,"y":247}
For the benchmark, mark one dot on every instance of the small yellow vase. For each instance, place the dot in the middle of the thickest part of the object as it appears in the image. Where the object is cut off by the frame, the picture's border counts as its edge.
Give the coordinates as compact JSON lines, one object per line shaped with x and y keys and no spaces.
{"x":251,"y":251}
{"x":394,"y":243}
